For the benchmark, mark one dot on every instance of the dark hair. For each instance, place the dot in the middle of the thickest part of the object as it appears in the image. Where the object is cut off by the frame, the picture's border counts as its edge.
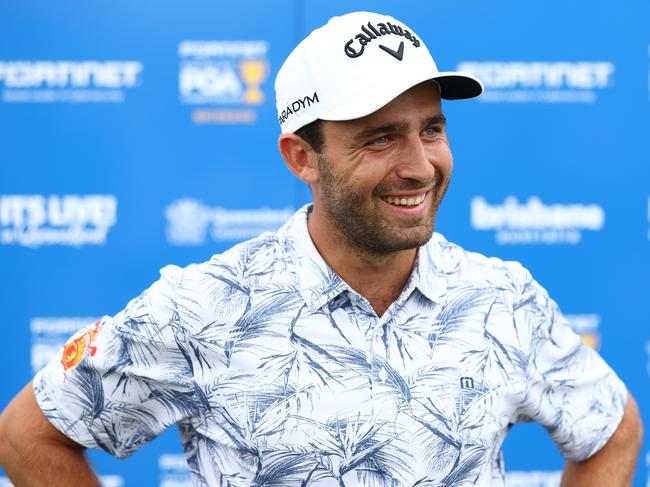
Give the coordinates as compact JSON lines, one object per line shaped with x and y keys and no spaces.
{"x":312,"y":133}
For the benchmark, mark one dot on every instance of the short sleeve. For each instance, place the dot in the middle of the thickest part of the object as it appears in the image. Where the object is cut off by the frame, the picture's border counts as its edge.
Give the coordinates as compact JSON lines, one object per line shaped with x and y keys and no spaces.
{"x":570,"y":389}
{"x":119,"y":383}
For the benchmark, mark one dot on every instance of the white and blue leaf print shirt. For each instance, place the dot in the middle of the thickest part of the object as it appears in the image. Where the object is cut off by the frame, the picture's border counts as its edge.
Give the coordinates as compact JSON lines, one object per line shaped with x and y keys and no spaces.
{"x":278,"y":374}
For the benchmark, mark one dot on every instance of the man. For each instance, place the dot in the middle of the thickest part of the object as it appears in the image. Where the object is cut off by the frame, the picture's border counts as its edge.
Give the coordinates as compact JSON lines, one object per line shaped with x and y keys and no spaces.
{"x":353,"y":346}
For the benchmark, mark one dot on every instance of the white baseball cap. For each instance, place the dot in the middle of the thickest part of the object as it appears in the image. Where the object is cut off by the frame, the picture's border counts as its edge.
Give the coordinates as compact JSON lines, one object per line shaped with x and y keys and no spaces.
{"x":353,"y":66}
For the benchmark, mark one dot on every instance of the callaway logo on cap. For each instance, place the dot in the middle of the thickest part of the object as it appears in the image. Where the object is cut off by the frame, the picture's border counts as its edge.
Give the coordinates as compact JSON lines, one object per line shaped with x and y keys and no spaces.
{"x":353,"y":66}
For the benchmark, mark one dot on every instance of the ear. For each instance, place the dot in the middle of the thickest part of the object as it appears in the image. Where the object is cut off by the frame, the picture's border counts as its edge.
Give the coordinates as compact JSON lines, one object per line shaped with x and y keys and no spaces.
{"x":300,"y":157}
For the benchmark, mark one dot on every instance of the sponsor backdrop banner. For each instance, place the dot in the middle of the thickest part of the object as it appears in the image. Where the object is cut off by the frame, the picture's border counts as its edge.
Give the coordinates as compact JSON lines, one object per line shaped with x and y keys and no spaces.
{"x":135,"y":135}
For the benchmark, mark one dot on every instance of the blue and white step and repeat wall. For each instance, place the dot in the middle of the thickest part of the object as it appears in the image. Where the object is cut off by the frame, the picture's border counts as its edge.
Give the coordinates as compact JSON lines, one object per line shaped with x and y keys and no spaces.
{"x":137,"y":134}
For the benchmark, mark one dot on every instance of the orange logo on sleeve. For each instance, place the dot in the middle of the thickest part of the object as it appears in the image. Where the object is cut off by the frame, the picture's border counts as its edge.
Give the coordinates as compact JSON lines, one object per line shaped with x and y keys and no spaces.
{"x":76,"y":349}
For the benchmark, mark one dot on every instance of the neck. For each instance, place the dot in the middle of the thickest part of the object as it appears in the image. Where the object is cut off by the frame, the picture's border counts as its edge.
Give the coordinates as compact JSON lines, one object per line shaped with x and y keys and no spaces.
{"x":377,"y":276}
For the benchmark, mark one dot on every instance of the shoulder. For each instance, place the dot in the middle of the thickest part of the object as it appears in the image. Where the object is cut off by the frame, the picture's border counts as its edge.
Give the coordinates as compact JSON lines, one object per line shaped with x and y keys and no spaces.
{"x":262,"y":257}
{"x":468,"y":266}
{"x":520,"y":299}
{"x":223,"y":287}
{"x":218,"y":290}
{"x":238,"y":266}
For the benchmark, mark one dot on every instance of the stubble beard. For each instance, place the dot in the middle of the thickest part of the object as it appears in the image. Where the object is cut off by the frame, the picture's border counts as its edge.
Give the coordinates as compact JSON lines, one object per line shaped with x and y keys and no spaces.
{"x":362,"y":228}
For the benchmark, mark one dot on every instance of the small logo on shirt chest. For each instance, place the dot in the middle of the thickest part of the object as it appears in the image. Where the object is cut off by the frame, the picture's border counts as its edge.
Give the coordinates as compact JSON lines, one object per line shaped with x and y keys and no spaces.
{"x":466,"y":383}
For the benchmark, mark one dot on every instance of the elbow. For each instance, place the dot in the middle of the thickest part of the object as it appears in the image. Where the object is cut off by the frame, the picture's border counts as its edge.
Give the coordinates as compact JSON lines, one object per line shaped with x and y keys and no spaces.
{"x":9,"y":446}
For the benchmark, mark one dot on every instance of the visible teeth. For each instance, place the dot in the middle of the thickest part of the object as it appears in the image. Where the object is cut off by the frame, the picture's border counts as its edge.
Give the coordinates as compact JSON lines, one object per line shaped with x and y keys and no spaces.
{"x":412,"y":201}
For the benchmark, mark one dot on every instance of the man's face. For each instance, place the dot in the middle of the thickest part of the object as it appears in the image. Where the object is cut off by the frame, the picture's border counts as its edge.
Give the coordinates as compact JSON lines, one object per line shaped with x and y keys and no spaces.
{"x":381,"y":177}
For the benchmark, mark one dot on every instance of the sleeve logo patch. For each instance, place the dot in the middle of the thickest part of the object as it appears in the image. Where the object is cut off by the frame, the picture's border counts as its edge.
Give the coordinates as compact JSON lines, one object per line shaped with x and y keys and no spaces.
{"x":78,"y":346}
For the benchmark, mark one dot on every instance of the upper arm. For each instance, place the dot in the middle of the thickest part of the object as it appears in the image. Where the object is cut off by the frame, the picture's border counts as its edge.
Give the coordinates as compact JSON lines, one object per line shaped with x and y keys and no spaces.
{"x":23,"y":423}
{"x":120,"y":383}
{"x":570,"y":389}
{"x":614,"y":464}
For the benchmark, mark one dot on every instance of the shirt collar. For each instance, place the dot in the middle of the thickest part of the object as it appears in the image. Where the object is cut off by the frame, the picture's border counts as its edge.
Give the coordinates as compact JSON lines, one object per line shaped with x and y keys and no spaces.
{"x":433,"y":269}
{"x":319,"y":284}
{"x":316,"y":281}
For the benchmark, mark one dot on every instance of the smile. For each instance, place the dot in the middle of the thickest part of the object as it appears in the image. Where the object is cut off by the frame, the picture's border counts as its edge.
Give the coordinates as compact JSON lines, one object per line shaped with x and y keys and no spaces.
{"x":405,"y":200}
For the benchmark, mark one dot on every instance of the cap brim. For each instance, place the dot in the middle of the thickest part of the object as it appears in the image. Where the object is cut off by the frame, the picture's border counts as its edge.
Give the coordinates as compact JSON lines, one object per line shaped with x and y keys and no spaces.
{"x":453,"y":86}
{"x":458,"y":86}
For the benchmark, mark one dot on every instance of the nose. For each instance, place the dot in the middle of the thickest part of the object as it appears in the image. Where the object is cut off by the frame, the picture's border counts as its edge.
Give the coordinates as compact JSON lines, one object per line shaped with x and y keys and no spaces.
{"x":415,"y":160}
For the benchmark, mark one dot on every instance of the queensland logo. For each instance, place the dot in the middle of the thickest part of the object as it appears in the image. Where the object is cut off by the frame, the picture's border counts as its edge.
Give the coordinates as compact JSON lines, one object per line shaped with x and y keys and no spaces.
{"x":542,"y":82}
{"x":535,"y":222}
{"x":79,"y":346}
{"x":190,"y":222}
{"x":68,"y":81}
{"x":297,"y":105}
{"x":356,"y":46}
{"x":72,"y":220}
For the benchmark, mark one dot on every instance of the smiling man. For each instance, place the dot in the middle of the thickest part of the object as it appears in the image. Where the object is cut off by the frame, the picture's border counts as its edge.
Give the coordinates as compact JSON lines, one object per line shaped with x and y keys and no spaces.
{"x":376,"y":190}
{"x":354,"y":346}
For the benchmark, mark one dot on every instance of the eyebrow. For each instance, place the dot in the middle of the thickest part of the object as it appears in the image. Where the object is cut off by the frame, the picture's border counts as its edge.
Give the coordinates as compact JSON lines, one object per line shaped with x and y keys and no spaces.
{"x":436,"y":119}
{"x":396,"y":127}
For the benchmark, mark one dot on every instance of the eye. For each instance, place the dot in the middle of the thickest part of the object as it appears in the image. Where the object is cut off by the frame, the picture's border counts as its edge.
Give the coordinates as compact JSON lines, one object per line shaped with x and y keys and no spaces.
{"x":383,"y":140}
{"x":432,"y":131}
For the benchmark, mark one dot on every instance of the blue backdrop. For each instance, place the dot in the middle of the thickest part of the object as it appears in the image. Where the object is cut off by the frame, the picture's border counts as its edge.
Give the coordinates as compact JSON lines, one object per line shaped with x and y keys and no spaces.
{"x":137,"y":134}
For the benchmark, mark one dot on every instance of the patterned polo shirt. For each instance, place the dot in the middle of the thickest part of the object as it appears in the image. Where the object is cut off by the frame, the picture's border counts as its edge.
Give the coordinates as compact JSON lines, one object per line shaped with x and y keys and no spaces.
{"x":277,"y":373}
